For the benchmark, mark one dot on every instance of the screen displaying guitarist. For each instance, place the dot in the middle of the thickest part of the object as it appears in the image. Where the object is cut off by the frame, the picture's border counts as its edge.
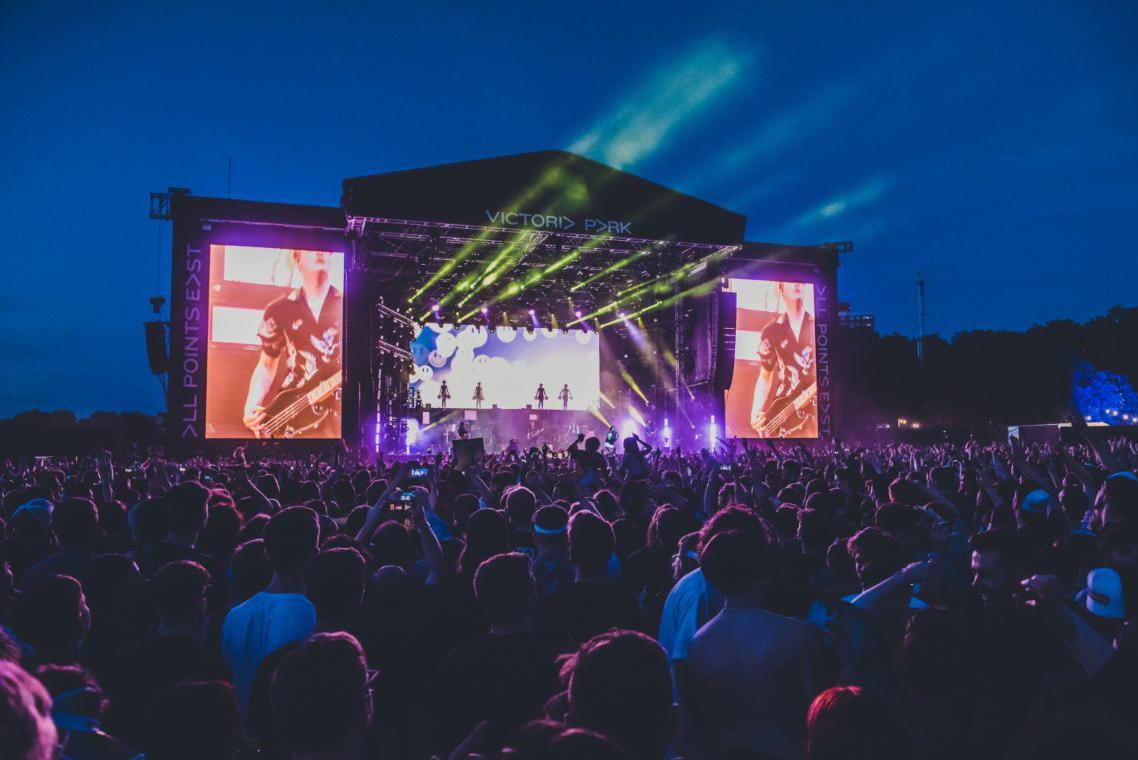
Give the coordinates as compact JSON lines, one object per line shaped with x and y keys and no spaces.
{"x":774,"y":390}
{"x":783,"y":403}
{"x":303,"y":329}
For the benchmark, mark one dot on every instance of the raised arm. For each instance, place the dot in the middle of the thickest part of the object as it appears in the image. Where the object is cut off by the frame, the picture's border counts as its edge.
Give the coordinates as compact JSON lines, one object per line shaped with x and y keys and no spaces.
{"x":428,"y":542}
{"x":877,"y":595}
{"x":377,"y":511}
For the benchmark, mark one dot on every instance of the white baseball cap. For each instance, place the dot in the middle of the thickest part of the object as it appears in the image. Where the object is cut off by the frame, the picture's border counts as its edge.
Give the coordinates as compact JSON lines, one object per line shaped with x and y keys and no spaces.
{"x":1103,"y":594}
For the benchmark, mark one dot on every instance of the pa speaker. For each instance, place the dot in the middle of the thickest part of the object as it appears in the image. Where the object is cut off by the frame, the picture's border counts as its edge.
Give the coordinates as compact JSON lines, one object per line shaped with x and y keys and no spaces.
{"x":725,"y":340}
{"x":156,"y":352}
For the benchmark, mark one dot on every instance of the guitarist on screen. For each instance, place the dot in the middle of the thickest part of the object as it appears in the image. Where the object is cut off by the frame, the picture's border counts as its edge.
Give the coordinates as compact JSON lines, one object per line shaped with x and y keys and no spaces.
{"x":304,"y":327}
{"x":786,"y":367}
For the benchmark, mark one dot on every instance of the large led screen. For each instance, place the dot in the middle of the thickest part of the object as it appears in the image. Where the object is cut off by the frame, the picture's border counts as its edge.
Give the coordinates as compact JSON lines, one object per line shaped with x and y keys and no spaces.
{"x":508,"y":368}
{"x":774,"y":389}
{"x":275,"y":325}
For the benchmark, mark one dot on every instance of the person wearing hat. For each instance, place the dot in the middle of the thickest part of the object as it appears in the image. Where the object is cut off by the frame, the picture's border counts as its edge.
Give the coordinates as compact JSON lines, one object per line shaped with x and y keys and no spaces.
{"x":552,"y":569}
{"x":1103,"y":600}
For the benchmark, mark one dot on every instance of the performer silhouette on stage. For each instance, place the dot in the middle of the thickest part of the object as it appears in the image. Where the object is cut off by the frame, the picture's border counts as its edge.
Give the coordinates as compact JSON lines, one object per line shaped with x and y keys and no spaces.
{"x":565,"y":395}
{"x":478,"y":396}
{"x":541,"y":396}
{"x":444,"y":395}
{"x":463,"y":431}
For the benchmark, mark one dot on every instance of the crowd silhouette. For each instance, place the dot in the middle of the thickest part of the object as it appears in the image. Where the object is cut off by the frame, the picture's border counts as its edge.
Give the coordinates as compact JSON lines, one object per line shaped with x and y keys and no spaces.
{"x":751,"y":601}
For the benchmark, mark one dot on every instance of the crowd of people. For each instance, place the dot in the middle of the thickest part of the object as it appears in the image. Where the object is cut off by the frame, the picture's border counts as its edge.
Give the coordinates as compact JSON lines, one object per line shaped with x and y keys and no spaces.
{"x":751,"y":601}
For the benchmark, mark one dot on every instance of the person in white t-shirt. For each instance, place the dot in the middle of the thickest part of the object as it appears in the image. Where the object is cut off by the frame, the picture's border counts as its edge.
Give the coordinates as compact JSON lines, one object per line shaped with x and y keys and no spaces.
{"x":281,"y":613}
{"x":693,"y":601}
{"x":750,"y":674}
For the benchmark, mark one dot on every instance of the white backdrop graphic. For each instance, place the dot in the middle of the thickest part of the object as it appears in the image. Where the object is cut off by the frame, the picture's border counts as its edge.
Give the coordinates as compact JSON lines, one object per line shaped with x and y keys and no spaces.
{"x":509,"y":362}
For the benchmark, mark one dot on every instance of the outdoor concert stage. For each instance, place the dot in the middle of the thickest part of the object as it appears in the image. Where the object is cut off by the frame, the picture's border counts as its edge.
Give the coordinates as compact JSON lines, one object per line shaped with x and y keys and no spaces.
{"x":512,"y":277}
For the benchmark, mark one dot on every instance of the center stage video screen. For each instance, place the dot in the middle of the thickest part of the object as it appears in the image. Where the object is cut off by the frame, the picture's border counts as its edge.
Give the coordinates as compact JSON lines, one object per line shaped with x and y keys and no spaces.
{"x":275,"y":325}
{"x":506,"y":367}
{"x":774,"y":389}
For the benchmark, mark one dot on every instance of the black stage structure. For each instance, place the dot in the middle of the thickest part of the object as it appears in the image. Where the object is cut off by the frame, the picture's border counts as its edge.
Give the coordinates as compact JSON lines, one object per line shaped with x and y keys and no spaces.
{"x":571,"y":238}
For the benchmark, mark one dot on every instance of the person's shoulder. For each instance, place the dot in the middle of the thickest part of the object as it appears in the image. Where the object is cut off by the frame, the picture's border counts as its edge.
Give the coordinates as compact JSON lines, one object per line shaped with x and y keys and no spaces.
{"x":719,"y":624}
{"x":263,"y":603}
{"x":706,"y":641}
{"x":39,"y":571}
{"x":794,"y":629}
{"x":282,"y":302}
{"x":244,"y":609}
{"x":288,"y":604}
{"x":692,"y":584}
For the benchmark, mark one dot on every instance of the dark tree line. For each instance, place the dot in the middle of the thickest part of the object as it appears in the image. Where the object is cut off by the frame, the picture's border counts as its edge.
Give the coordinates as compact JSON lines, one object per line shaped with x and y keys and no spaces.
{"x":980,"y":379}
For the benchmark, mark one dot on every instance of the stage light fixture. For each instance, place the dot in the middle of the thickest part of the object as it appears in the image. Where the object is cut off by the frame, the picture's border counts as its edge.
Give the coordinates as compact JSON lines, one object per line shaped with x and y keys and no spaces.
{"x":531,"y":312}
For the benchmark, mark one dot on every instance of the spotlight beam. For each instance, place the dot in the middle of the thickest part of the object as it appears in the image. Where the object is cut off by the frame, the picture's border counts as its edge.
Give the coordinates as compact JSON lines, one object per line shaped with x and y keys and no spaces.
{"x":576,"y":253}
{"x":614,"y":268}
{"x":551,"y":177}
{"x":698,"y":290}
{"x":670,"y":278}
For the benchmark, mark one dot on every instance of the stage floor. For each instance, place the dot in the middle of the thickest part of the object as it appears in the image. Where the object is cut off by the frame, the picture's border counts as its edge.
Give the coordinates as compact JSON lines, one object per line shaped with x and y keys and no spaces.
{"x":497,"y":427}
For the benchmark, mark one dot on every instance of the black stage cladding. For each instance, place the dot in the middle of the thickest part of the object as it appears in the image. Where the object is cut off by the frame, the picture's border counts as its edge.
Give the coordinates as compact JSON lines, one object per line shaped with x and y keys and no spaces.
{"x":552,"y":191}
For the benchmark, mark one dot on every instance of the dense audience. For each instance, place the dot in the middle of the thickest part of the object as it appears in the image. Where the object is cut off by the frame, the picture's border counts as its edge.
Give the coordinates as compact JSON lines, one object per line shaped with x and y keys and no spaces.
{"x":943,"y":601}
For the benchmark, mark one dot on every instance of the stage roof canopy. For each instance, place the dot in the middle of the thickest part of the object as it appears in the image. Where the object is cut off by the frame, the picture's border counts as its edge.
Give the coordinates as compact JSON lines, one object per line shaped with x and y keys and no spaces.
{"x":547,"y":191}
{"x":530,"y":231}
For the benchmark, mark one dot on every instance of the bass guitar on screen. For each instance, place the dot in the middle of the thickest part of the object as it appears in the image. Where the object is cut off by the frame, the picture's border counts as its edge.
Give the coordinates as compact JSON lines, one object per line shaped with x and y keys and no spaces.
{"x":294,"y":412}
{"x":790,"y":415}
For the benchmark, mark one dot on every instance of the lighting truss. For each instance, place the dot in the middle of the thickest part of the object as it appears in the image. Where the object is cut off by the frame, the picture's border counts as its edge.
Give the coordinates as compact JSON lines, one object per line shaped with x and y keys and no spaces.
{"x":386,"y":245}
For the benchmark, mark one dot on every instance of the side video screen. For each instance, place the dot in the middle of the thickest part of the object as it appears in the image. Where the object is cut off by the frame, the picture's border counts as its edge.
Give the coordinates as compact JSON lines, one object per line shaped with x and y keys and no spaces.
{"x":774,"y":389}
{"x":275,"y":326}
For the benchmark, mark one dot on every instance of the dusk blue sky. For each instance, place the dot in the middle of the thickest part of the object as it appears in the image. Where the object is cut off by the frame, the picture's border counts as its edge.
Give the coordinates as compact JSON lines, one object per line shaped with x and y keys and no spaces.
{"x":992,"y":146}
